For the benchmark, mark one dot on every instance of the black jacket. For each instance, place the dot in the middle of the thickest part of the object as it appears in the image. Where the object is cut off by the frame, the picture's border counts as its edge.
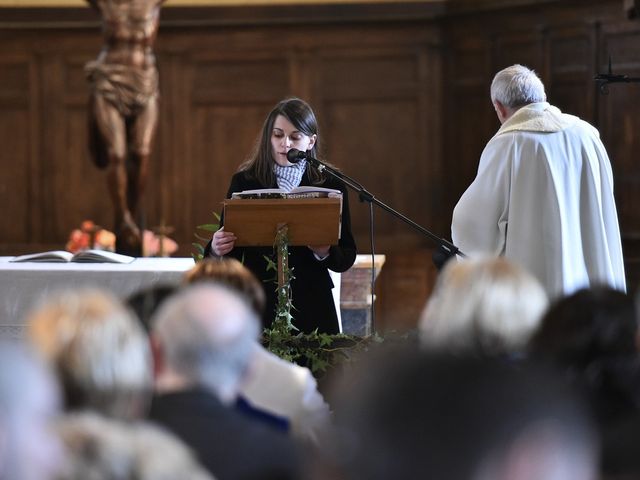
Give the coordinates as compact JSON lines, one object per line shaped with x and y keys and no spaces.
{"x":229,"y":445}
{"x":311,"y":287}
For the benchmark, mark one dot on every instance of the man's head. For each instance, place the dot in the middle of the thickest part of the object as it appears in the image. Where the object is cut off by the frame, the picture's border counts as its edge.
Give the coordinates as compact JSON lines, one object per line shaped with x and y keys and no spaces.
{"x":513,"y":88}
{"x":204,"y":336}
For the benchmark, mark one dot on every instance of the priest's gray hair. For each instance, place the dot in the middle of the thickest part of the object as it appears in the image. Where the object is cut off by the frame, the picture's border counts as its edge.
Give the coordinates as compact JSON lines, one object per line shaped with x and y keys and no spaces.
{"x":207,"y":334}
{"x":517,"y":86}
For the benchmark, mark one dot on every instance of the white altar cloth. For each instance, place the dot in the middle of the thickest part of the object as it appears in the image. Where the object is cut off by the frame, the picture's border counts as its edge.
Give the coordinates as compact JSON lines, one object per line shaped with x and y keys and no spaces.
{"x":23,"y":285}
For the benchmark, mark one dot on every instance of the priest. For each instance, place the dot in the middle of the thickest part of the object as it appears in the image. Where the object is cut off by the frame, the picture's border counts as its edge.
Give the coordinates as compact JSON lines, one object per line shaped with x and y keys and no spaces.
{"x":543,"y":194}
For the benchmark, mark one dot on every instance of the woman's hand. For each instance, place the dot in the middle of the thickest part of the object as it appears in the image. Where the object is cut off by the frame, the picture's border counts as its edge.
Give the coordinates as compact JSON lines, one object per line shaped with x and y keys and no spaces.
{"x":321,"y":251}
{"x":222,"y":242}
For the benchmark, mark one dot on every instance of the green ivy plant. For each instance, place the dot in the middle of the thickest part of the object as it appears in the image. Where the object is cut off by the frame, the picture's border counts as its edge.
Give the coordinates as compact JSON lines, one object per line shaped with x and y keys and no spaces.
{"x":318,"y":351}
{"x":210,"y":228}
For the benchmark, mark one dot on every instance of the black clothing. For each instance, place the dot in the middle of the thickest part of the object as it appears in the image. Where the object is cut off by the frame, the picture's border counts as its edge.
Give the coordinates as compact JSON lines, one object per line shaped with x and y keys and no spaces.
{"x":229,"y":445}
{"x":311,"y":288}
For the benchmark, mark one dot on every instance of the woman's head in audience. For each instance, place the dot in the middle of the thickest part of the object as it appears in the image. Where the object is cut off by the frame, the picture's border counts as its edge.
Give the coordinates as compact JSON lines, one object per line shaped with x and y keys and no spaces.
{"x":588,"y":325}
{"x":592,"y":337}
{"x":98,"y":349}
{"x":232,"y":273}
{"x":483,"y":305}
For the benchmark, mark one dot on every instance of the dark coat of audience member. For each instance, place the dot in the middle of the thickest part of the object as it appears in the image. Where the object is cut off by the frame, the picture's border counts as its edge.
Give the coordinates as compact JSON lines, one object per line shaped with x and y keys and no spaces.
{"x":457,"y":417}
{"x":229,"y":444}
{"x":592,"y":337}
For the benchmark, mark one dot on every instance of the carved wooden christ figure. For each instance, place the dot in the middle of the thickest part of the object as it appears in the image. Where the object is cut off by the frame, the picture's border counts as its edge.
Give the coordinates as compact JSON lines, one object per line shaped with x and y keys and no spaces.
{"x":123,"y":107}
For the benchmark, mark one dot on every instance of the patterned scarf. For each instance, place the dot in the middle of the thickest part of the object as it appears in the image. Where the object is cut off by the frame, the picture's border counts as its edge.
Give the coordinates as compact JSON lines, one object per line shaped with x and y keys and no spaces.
{"x":289,"y":177}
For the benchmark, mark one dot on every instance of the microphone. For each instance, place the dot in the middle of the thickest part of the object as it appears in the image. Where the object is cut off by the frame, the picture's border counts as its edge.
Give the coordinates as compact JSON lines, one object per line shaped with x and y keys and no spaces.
{"x":294,"y":155}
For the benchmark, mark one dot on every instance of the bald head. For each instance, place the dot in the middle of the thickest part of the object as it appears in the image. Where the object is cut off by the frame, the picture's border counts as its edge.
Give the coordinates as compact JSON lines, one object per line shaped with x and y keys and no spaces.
{"x":206,"y":335}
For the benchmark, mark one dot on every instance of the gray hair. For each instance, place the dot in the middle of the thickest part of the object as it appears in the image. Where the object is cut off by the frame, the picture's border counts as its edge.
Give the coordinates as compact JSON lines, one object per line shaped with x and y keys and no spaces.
{"x":207,"y":333}
{"x":483,"y":304}
{"x":516,"y":86}
{"x":98,"y":349}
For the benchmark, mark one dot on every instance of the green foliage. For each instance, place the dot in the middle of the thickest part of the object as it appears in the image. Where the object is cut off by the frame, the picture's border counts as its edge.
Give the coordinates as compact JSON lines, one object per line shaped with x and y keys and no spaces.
{"x":199,"y":246}
{"x":318,"y":351}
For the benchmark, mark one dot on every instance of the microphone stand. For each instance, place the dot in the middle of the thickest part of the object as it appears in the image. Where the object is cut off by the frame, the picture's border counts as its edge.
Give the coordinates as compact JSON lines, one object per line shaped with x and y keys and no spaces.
{"x":449,"y":248}
{"x":364,"y":195}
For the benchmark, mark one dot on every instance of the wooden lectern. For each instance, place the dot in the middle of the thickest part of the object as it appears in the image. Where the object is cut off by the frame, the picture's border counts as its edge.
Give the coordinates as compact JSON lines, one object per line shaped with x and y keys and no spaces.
{"x":308,"y":221}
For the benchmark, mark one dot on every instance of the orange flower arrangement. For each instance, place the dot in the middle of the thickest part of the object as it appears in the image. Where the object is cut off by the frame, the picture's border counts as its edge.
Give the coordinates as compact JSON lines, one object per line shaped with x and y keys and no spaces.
{"x":90,"y":235}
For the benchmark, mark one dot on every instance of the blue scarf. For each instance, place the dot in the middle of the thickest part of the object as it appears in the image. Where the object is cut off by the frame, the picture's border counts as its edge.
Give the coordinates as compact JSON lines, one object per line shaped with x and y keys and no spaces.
{"x":291,"y":176}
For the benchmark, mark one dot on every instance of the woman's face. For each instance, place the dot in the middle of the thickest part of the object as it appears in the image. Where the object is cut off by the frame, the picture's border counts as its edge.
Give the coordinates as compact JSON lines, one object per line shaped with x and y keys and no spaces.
{"x":284,"y":137}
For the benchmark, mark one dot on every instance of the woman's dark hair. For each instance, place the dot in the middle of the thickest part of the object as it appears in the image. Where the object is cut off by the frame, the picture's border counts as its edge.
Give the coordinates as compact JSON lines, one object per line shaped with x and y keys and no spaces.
{"x":260,"y":164}
{"x":588,"y":325}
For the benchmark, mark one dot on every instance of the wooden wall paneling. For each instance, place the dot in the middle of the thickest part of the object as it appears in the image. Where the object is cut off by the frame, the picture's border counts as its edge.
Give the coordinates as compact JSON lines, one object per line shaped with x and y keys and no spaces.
{"x":165,"y":204}
{"x":230,"y":99}
{"x":18,"y":107}
{"x":470,"y":120}
{"x":79,"y":188}
{"x":370,"y":108}
{"x":524,"y":47}
{"x":371,"y":105}
{"x":405,"y":283}
{"x":572,"y":64}
{"x":620,"y":129}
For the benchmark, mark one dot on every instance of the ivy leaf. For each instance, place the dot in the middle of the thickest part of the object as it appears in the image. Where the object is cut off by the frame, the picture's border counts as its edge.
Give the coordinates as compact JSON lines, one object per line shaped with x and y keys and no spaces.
{"x":325,"y":340}
{"x":209,"y":227}
{"x":319,"y":365}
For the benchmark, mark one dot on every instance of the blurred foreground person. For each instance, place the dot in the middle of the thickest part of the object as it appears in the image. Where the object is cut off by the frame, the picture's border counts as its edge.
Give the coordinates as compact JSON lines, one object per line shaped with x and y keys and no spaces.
{"x":592,"y":336}
{"x":457,"y":418}
{"x":29,"y":400}
{"x":203,"y":339}
{"x":98,"y":349}
{"x":485,"y":305}
{"x":272,"y":384}
{"x":100,"y":448}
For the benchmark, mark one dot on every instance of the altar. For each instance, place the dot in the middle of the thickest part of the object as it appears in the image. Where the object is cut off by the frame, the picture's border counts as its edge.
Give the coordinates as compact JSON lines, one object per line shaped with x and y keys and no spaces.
{"x":23,"y":285}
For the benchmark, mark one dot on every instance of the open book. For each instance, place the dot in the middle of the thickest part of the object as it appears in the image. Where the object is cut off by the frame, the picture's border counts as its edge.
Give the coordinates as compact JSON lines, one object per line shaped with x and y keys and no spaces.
{"x":83,"y":256}
{"x":298,"y":192}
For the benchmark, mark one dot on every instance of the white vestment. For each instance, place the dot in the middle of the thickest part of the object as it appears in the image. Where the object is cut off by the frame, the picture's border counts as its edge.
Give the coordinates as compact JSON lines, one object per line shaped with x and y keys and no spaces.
{"x":543,"y":198}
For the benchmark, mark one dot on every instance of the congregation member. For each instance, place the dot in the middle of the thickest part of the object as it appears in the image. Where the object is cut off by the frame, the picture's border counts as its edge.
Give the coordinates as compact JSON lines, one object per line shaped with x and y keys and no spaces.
{"x":272,"y":384}
{"x":292,"y":124}
{"x":98,"y":349}
{"x":29,"y":403}
{"x":99,"y":448}
{"x":483,"y":305}
{"x":203,"y":338}
{"x":592,"y":337}
{"x":457,"y":417}
{"x":543,"y":194}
